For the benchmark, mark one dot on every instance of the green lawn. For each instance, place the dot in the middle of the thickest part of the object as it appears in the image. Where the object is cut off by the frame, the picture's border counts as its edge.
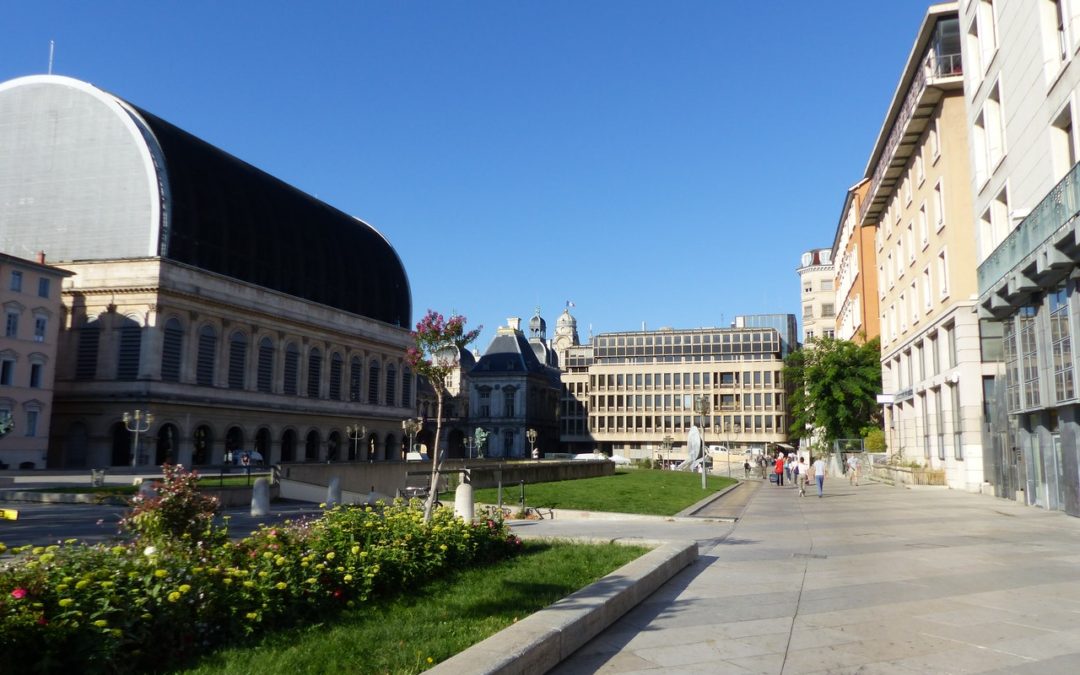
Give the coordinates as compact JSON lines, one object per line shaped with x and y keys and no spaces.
{"x":124,"y":490}
{"x":409,"y":634}
{"x":644,"y":491}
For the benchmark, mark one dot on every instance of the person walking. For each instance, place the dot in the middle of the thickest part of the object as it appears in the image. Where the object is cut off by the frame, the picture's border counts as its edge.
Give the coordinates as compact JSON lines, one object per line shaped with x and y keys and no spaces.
{"x":819,"y":475}
{"x":746,"y":469}
{"x":800,"y":476}
{"x":853,"y":470}
{"x":780,"y":470}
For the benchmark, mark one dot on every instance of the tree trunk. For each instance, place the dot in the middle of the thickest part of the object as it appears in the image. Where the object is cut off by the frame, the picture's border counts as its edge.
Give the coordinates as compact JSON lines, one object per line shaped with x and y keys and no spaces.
{"x":436,"y":459}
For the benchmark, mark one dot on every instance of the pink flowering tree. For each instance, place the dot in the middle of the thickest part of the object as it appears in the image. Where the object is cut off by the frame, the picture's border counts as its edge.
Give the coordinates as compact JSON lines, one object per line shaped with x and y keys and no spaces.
{"x":438,"y":342}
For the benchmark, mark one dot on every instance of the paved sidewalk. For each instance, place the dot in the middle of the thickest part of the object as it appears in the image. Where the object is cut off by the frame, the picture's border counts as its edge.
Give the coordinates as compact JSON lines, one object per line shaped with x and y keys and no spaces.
{"x":872,"y":579}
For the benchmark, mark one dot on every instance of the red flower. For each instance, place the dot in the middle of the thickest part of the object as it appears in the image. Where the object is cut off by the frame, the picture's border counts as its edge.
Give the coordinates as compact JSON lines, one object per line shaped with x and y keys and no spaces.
{"x":18,"y":593}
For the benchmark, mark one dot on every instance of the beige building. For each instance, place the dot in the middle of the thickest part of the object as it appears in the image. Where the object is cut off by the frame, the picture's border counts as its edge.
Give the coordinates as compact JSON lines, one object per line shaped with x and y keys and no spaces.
{"x":817,"y":279}
{"x":625,"y":392}
{"x":919,"y":198}
{"x":207,"y":293}
{"x":30,"y":298}
{"x":855,"y":255}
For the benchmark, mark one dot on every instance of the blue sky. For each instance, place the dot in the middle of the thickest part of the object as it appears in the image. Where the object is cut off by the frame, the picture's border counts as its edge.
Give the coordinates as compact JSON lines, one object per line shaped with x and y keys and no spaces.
{"x":657,"y":162}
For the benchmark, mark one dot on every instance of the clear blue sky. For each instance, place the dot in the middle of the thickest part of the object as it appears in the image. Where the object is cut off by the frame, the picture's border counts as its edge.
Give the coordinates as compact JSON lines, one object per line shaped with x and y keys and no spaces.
{"x":662,"y":162}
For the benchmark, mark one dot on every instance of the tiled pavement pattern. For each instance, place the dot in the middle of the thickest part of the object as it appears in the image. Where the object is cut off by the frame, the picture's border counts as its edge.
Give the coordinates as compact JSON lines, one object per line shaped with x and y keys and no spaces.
{"x":869,"y":579}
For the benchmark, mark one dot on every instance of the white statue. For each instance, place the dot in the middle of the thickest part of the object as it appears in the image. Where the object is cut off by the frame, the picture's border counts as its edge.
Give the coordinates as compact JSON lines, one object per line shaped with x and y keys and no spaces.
{"x":693,"y":444}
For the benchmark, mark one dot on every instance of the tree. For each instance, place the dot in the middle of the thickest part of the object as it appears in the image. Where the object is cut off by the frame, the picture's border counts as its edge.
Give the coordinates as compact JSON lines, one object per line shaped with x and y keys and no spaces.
{"x":834,"y":386}
{"x":437,"y":344}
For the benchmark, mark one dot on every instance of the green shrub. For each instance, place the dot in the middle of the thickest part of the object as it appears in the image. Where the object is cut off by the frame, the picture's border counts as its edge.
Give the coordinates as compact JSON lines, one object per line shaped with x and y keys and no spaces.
{"x":132,"y":607}
{"x":178,"y":515}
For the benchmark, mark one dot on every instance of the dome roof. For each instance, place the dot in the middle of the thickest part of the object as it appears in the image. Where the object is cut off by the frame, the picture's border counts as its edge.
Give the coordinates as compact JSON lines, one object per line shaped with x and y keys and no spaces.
{"x":566,"y":319}
{"x":537,"y":325}
{"x":88,"y":176}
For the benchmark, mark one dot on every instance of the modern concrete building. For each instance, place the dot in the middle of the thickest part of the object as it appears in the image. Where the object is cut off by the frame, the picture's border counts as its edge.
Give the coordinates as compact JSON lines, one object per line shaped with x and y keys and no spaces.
{"x":625,"y":392}
{"x":920,"y":202}
{"x":855,"y":255}
{"x":30,"y":299}
{"x":1022,"y":86}
{"x":817,"y":279}
{"x":206,"y":292}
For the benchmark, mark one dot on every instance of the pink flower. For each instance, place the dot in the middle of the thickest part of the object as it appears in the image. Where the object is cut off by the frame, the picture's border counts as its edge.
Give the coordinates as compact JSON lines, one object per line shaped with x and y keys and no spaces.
{"x":18,"y":593}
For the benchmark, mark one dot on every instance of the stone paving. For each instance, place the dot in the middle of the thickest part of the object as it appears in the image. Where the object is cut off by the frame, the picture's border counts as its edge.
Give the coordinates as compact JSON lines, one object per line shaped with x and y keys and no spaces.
{"x":869,"y":579}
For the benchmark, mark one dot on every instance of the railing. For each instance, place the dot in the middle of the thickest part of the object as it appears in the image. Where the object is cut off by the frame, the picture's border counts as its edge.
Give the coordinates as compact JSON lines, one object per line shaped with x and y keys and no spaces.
{"x":933,"y":66}
{"x":1059,"y":206}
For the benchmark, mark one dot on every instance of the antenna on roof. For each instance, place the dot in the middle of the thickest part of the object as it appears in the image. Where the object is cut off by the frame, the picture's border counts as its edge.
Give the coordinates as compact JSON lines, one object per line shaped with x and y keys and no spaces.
{"x":52,"y":48}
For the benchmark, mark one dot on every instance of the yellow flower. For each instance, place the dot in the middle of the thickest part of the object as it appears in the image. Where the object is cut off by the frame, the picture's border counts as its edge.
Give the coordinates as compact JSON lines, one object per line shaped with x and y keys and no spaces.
{"x":184,"y":588}
{"x":38,"y":550}
{"x":101,"y":623}
{"x":263,"y":575}
{"x":47,"y":557}
{"x":68,"y":580}
{"x":226,"y":581}
{"x":174,"y":596}
{"x":83,"y":583}
{"x":252,"y":616}
{"x":309,"y":580}
{"x":105,"y":584}
{"x":160,"y":573}
{"x":279,"y":561}
{"x":66,"y":602}
{"x":116,"y":632}
{"x":348,"y":578}
{"x":303,"y":563}
{"x":430,"y":660}
{"x":442,"y":547}
{"x":249,"y":584}
{"x":268,"y":554}
{"x":281,"y":585}
{"x":60,"y":588}
{"x":117,"y":550}
{"x":355,"y":550}
{"x":330,"y":555}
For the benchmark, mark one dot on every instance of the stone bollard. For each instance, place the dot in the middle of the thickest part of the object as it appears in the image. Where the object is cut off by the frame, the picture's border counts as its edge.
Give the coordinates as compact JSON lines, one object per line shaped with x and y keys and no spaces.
{"x":463,"y":502}
{"x":260,"y":497}
{"x":146,"y":490}
{"x":333,"y":492}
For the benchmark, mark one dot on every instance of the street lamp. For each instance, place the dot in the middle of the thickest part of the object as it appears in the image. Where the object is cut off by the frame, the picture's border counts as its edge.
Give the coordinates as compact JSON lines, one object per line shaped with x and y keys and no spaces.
{"x":411,"y":426}
{"x":355,"y":433}
{"x":665,"y":445}
{"x":137,"y":422}
{"x":531,"y":435}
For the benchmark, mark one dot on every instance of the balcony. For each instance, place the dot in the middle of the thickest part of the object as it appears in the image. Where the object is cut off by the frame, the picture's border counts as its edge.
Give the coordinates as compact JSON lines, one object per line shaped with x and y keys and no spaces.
{"x":938,"y":74}
{"x":1037,"y":254}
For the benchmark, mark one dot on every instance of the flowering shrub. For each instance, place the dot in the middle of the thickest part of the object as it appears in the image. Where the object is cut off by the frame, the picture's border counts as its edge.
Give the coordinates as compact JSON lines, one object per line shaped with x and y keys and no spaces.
{"x":107,"y":608}
{"x":179,"y":515}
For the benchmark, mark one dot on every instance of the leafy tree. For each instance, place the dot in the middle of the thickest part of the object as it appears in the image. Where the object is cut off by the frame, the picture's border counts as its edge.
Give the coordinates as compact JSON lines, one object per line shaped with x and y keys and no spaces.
{"x":834,"y":386}
{"x":874,"y":439}
{"x":438,"y":342}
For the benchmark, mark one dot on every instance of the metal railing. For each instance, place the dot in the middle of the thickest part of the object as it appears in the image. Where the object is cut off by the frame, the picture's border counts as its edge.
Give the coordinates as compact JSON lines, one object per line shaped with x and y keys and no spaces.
{"x":1059,"y":206}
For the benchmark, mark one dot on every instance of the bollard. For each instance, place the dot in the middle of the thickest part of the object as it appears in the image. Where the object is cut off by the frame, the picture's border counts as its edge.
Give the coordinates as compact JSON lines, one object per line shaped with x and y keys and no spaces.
{"x":260,"y":497}
{"x":463,"y":502}
{"x":333,"y":491}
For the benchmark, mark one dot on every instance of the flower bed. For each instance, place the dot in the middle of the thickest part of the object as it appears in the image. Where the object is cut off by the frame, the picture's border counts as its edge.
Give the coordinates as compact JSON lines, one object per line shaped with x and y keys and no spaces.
{"x":180,"y":586}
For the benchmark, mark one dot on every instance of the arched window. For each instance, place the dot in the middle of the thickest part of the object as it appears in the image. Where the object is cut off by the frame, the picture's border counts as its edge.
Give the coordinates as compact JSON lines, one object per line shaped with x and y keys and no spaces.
{"x":335,"y":377}
{"x":333,"y":445}
{"x":167,"y":448}
{"x":311,"y":448}
{"x":355,"y":381}
{"x":128,"y":349}
{"x":201,"y":440}
{"x":86,"y":356}
{"x":373,"y":383}
{"x":262,"y":446}
{"x":266,"y":365}
{"x":406,"y":387}
{"x":172,"y":347}
{"x":288,"y":446}
{"x":292,"y":369}
{"x":121,"y":445}
{"x":391,"y":446}
{"x":391,"y":384}
{"x":237,"y":360}
{"x":207,"y":358}
{"x":314,"y":373}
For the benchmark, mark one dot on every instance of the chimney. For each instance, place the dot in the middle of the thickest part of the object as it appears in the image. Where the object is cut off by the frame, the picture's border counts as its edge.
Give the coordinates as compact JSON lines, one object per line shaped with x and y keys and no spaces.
{"x":41,"y":257}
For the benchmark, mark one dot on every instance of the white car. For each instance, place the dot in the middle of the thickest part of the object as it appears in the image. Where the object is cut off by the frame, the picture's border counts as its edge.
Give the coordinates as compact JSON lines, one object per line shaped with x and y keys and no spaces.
{"x":620,"y":460}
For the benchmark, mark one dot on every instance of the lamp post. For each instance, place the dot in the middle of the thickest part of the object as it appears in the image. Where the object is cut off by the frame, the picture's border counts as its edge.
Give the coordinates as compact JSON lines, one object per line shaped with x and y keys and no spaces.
{"x":137,"y":422}
{"x":411,"y":425}
{"x":531,"y":435}
{"x":665,"y":445}
{"x":703,"y":406}
{"x":355,"y":433}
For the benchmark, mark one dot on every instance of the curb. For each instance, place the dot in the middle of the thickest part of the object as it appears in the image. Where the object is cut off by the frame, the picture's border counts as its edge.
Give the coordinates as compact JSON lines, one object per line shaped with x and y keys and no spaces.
{"x":62,"y":498}
{"x":541,"y":641}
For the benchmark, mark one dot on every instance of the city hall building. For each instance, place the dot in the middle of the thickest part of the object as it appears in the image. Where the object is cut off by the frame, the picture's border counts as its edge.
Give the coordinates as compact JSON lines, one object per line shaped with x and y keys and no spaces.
{"x":242,"y":313}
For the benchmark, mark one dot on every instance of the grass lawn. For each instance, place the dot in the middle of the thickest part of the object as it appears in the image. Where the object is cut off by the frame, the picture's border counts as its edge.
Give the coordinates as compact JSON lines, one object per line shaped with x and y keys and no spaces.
{"x":123,"y":490}
{"x":431,"y":624}
{"x":644,"y":491}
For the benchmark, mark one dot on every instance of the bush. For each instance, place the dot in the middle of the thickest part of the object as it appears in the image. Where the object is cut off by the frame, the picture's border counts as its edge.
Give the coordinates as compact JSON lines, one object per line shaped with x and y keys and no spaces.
{"x":178,"y":515}
{"x":106,"y":608}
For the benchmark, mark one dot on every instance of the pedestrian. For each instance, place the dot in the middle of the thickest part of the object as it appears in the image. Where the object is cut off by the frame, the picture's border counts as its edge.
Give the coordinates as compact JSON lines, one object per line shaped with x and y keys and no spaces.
{"x":800,"y":477}
{"x":746,"y":469}
{"x":787,"y":467}
{"x":819,"y":475}
{"x":853,"y":470}
{"x":780,"y":469}
{"x":763,"y":464}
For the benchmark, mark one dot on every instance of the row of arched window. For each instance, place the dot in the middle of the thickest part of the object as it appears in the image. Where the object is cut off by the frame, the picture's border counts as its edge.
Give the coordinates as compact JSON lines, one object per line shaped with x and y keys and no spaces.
{"x":343,"y":381}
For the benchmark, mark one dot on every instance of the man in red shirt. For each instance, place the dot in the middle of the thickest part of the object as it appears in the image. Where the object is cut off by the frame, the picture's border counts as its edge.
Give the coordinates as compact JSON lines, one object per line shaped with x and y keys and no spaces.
{"x":780,"y":469}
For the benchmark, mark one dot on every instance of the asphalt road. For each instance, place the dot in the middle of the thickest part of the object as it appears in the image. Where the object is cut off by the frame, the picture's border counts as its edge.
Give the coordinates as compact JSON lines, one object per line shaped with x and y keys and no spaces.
{"x":44,"y":524}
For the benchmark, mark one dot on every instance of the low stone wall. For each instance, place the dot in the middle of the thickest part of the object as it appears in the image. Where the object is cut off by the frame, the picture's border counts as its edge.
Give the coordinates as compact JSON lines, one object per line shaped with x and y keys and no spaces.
{"x":389,"y":477}
{"x":903,"y":475}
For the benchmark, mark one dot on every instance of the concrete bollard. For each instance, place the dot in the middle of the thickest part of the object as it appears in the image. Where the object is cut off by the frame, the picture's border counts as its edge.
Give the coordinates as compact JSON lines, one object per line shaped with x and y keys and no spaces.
{"x":463,"y":502}
{"x":333,"y":492}
{"x":260,"y":497}
{"x":146,"y":490}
